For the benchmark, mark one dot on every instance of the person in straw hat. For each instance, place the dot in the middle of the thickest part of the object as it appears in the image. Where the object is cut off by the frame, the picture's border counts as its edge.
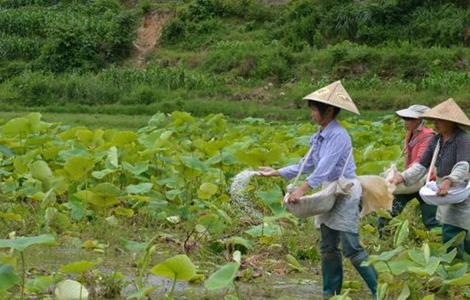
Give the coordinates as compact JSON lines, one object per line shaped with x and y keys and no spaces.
{"x":331,"y":154}
{"x":417,"y":138}
{"x":452,"y":167}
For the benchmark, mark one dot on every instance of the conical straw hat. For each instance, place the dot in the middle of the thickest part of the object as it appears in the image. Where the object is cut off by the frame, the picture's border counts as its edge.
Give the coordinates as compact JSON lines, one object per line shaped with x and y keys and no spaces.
{"x":449,"y":111}
{"x":335,"y":95}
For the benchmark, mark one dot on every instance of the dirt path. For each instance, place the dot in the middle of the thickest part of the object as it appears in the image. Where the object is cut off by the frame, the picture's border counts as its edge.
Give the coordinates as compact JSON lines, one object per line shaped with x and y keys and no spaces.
{"x":148,"y":35}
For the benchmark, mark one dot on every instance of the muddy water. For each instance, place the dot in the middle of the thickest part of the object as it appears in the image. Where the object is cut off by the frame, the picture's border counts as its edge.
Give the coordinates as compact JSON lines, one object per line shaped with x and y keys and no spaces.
{"x":50,"y":259}
{"x":295,"y":289}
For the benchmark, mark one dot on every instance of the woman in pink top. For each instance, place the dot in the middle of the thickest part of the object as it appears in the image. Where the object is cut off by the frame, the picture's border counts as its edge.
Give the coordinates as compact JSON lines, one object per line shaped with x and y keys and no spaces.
{"x":417,"y":139}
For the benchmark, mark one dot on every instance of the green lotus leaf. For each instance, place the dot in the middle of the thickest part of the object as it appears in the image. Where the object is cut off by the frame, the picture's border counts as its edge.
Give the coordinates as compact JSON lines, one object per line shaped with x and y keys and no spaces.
{"x":207,"y":190}
{"x":157,"y":120}
{"x":460,"y":281}
{"x":35,"y":122}
{"x":17,"y":126}
{"x":84,"y":136}
{"x":124,"y":138}
{"x":78,"y":166}
{"x":112,"y":158}
{"x":67,"y":154}
{"x":384,"y":256}
{"x":194,"y":163}
{"x":136,"y":169}
{"x":273,"y":198}
{"x":179,"y":118}
{"x":101,"y":174}
{"x":449,"y":257}
{"x":40,"y":170}
{"x":178,"y":267}
{"x":8,"y":277}
{"x":106,"y":189}
{"x":95,"y":199}
{"x":399,"y":266}
{"x":133,"y":245}
{"x":6,"y":151}
{"x":21,"y":163}
{"x":23,"y":242}
{"x":223,"y":277}
{"x":140,"y":188}
{"x":78,"y":267}
{"x":239,"y":241}
{"x":40,"y":284}
{"x":417,"y":257}
{"x":125,"y":212}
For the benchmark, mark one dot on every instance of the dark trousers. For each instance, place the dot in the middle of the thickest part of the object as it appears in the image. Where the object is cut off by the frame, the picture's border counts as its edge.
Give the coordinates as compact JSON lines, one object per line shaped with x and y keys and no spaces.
{"x":428,"y":212}
{"x":332,"y":261}
{"x":450,"y":231}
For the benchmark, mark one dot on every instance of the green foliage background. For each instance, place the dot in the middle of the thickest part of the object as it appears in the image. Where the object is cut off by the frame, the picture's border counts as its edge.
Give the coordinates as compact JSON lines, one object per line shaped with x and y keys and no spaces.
{"x":240,"y":57}
{"x":248,"y":52}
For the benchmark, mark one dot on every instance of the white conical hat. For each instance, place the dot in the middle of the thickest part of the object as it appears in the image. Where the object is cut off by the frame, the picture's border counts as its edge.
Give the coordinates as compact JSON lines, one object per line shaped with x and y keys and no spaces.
{"x":335,"y":95}
{"x":449,"y":111}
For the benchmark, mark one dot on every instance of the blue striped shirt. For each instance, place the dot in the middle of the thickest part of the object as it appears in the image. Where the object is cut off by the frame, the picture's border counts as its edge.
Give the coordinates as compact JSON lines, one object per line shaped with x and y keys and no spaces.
{"x":332,"y":146}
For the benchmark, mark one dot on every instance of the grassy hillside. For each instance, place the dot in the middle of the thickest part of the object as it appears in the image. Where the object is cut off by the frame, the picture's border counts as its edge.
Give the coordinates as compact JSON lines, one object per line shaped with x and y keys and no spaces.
{"x":243,"y":57}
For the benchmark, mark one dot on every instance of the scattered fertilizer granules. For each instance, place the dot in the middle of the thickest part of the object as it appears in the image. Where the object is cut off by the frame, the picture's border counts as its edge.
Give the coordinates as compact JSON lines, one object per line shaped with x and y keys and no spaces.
{"x":239,"y":195}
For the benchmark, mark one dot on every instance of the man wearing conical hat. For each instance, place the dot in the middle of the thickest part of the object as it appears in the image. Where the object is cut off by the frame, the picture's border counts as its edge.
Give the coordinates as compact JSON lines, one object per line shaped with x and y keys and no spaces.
{"x":417,"y":138}
{"x":452,"y":163}
{"x":329,"y":158}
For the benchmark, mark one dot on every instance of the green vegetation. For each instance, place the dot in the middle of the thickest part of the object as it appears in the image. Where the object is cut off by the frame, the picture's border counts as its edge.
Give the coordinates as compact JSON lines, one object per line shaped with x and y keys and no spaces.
{"x":139,"y":180}
{"x":90,"y":120}
{"x":63,"y":36}
{"x":158,"y":199}
{"x":239,"y":53}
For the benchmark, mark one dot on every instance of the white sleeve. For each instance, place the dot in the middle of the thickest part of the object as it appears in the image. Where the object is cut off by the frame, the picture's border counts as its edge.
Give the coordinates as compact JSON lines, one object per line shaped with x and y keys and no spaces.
{"x":460,"y":172}
{"x":413,"y":174}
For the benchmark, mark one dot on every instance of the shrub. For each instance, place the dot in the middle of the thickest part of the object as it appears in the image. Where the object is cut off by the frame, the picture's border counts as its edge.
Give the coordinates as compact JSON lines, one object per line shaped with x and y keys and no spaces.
{"x":322,"y":22}
{"x":35,"y":89}
{"x":245,"y":9}
{"x":250,"y":60}
{"x":403,"y":61}
{"x":199,"y":23}
{"x":85,"y":35}
{"x":191,"y":34}
{"x":15,"y":47}
{"x":80,"y":44}
{"x":11,"y":69}
{"x":442,"y":25}
{"x":144,"y":94}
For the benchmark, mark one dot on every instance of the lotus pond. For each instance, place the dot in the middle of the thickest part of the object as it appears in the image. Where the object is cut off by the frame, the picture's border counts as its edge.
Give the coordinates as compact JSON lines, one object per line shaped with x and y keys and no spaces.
{"x":147,"y":214}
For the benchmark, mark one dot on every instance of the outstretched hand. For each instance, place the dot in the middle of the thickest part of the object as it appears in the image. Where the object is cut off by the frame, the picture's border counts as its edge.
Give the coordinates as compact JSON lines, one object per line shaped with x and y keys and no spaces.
{"x":268,"y":171}
{"x":396,"y":179}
